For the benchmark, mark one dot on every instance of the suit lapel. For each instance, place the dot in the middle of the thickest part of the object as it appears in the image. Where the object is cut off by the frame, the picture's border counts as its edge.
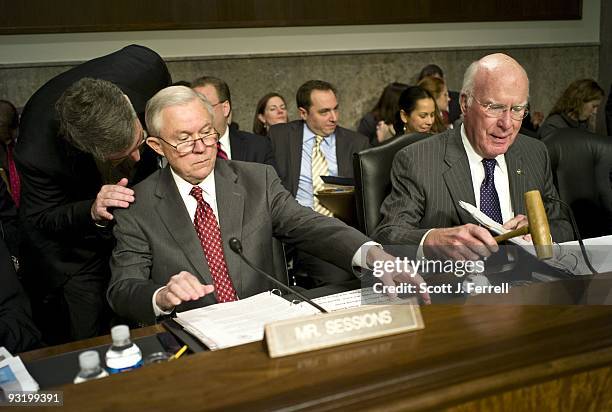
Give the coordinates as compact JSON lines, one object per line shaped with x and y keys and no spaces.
{"x":343,"y":153}
{"x":173,"y":214}
{"x":295,"y":154}
{"x":236,"y":146}
{"x":516,"y":177}
{"x":458,"y":176}
{"x":230,"y":205}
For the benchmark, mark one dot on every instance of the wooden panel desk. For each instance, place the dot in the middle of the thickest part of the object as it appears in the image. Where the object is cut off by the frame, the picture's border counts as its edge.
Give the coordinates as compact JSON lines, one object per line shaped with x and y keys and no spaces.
{"x":469,"y":357}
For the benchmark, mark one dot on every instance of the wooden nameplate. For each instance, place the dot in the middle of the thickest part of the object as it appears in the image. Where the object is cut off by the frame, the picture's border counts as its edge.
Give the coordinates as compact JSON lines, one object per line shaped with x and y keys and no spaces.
{"x":320,"y":331}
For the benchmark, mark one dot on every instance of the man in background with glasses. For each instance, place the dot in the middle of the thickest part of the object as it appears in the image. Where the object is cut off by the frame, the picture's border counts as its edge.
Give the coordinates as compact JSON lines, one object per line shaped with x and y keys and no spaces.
{"x":79,"y":142}
{"x":485,"y":162}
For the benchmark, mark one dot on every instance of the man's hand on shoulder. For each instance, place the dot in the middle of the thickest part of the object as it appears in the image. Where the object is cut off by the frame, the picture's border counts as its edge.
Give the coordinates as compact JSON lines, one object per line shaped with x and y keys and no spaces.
{"x":467,"y":242}
{"x":181,"y":287}
{"x":111,"y":196}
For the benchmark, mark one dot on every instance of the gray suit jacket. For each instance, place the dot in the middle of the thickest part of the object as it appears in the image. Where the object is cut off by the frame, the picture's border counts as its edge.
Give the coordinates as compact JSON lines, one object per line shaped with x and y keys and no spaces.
{"x":156,"y":238}
{"x":287,"y":139}
{"x":431,"y":176}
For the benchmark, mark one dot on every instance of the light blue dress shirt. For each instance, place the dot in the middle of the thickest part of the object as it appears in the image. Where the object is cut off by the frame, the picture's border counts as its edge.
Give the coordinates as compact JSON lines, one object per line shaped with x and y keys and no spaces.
{"x":304,"y":194}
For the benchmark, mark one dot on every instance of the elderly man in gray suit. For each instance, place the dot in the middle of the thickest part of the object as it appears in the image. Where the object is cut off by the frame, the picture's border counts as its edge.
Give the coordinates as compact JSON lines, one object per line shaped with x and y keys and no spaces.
{"x":484,"y":162}
{"x":172,"y":243}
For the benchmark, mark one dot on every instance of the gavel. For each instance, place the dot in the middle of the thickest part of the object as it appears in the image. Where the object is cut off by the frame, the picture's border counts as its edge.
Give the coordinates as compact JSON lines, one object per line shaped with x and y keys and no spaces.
{"x":538,"y":226}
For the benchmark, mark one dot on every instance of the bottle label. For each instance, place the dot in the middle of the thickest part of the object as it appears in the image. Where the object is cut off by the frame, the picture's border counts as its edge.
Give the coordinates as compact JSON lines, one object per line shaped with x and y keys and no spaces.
{"x":129,"y":368}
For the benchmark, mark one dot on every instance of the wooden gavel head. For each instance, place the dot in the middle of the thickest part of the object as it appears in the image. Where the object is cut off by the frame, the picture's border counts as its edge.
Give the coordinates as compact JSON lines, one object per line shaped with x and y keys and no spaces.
{"x":538,"y":226}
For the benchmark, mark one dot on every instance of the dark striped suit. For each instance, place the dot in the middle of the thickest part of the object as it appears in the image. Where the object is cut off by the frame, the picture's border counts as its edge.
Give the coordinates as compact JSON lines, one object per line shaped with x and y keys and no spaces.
{"x":431,"y":176}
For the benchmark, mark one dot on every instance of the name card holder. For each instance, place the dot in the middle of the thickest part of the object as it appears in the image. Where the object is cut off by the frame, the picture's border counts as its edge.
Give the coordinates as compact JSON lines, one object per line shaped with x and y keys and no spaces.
{"x":298,"y":335}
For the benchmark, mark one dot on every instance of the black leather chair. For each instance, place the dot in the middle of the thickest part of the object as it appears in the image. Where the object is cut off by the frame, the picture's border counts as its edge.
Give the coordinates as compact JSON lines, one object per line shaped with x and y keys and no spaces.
{"x":582,"y":165}
{"x":372,"y":169}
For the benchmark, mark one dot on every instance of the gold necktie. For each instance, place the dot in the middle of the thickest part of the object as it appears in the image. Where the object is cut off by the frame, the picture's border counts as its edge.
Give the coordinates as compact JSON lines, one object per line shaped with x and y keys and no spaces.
{"x":319,"y":168}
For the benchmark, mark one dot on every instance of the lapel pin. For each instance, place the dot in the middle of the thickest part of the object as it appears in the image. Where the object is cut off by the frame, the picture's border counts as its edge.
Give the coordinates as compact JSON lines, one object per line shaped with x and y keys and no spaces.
{"x":519,"y":172}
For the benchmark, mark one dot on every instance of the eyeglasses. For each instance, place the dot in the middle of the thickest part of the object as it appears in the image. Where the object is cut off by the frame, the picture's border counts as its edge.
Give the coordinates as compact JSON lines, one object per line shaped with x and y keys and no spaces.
{"x":186,"y":147}
{"x":143,"y":139}
{"x":499,"y":110}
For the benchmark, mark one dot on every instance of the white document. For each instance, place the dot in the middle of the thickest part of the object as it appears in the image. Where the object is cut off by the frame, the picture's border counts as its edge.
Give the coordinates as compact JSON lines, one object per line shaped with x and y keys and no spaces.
{"x":235,"y":323}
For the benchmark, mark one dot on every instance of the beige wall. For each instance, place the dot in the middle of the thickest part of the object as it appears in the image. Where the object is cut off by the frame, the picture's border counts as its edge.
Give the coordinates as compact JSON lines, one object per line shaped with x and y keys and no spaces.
{"x":360,"y":60}
{"x":359,"y":77}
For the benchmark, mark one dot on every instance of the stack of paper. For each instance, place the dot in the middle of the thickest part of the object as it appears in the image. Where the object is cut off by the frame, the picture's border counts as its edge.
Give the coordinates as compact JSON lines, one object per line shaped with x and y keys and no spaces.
{"x":13,"y":374}
{"x":236,"y":323}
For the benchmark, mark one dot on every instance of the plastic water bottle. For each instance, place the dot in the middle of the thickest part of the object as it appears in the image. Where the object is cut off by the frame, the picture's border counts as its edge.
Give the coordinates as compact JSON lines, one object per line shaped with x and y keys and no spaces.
{"x":123,"y":355}
{"x":89,"y":361}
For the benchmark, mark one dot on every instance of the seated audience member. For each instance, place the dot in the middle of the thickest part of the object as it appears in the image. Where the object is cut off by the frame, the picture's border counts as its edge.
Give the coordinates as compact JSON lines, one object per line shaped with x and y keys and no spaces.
{"x":234,"y":144}
{"x":172,"y":247}
{"x":377,"y":124}
{"x":9,"y":127}
{"x":271,"y":109}
{"x":79,"y":141}
{"x":575,"y":108}
{"x":484,"y":162}
{"x":531,"y":123}
{"x":307,"y":149}
{"x":418,"y":112}
{"x":437,"y":88}
{"x":609,"y":112}
{"x":454,"y":111}
{"x":17,"y":330}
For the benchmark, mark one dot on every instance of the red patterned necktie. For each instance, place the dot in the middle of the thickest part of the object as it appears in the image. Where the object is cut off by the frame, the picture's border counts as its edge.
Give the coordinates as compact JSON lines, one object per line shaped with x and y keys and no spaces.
{"x":15,"y":184}
{"x":220,"y":152}
{"x":210,"y":238}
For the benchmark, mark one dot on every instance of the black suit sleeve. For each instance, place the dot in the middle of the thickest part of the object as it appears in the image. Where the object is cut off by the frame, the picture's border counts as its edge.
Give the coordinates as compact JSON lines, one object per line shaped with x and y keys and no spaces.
{"x":9,"y":228}
{"x":609,"y":112}
{"x":17,"y":330}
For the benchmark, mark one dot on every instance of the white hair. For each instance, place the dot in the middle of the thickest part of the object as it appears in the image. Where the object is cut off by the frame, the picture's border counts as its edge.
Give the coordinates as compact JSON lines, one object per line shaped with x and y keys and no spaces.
{"x":168,"y":97}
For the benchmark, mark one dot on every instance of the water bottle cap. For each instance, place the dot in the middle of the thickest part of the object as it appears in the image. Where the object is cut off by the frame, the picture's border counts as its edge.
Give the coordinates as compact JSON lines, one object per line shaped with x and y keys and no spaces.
{"x":89,"y":359}
{"x":120,"y":333}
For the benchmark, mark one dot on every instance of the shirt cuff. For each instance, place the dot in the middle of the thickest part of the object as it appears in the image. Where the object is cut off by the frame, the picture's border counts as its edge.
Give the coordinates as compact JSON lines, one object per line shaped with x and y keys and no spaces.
{"x":157,"y":309}
{"x":420,"y":255}
{"x":359,"y":256}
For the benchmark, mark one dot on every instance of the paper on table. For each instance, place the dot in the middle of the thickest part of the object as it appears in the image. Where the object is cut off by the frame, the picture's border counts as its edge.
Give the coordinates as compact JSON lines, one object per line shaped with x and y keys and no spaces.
{"x":239,"y":322}
{"x":235,"y":323}
{"x":352,"y":299}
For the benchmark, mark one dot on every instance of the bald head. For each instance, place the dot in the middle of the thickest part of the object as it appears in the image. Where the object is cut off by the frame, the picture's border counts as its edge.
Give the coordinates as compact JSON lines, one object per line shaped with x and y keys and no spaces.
{"x":493,"y":68}
{"x":493,"y":102}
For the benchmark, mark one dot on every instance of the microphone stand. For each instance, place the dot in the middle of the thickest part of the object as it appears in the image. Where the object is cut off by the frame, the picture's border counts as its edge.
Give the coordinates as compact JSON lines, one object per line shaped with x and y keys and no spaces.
{"x":236,"y":247}
{"x":576,"y":232}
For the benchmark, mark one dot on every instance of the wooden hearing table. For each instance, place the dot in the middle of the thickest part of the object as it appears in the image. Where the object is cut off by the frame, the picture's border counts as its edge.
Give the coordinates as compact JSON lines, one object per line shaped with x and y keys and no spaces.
{"x":549,"y":353}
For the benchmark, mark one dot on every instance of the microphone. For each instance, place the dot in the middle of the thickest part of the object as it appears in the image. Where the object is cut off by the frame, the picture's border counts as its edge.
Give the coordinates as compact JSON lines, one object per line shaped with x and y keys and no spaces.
{"x":236,"y":246}
{"x":576,"y":232}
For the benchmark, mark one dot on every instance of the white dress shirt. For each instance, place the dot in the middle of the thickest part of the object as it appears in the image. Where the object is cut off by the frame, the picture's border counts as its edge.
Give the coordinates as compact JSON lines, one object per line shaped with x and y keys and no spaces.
{"x":225,"y":145}
{"x":210,"y":197}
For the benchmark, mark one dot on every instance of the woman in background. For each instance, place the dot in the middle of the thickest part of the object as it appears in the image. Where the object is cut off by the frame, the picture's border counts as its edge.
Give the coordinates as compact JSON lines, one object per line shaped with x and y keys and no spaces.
{"x":271,"y":109}
{"x":575,"y":108}
{"x":437,"y":88}
{"x":377,"y":124}
{"x":418,"y":113}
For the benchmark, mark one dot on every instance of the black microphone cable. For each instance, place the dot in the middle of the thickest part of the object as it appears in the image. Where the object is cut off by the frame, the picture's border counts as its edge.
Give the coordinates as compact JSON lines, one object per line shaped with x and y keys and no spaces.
{"x":236,"y":246}
{"x":576,"y":232}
